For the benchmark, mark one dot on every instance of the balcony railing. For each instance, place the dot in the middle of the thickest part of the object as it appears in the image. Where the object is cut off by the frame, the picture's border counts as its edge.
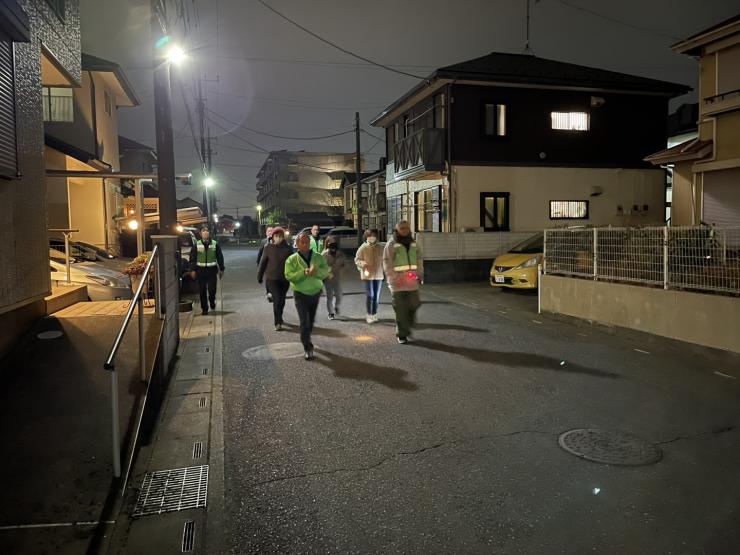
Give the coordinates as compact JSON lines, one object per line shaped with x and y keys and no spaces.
{"x":419,"y":154}
{"x":726,"y":102}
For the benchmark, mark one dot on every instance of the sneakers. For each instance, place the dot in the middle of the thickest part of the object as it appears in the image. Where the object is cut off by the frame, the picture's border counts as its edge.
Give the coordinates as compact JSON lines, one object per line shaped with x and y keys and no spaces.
{"x":308,"y":354}
{"x":403,"y":340}
{"x":375,"y":318}
{"x":269,"y":297}
{"x":331,"y":316}
{"x":278,"y":327}
{"x":369,"y":319}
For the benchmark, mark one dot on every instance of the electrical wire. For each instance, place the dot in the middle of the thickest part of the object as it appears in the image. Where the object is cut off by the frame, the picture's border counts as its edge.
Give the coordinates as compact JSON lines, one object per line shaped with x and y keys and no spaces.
{"x":372,"y":135}
{"x":352,"y":65}
{"x":349,"y":52}
{"x":274,"y":136}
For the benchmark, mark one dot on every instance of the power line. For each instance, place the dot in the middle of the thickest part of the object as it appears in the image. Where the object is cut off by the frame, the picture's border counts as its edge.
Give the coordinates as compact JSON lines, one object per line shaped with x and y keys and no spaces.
{"x":274,"y":136}
{"x":231,"y":133}
{"x":371,"y":135}
{"x":352,"y":65}
{"x":617,"y":21}
{"x":322,"y":39}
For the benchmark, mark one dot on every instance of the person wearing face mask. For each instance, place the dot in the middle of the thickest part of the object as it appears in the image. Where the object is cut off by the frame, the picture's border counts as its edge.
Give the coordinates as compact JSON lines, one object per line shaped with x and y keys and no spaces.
{"x":404,"y":268}
{"x":369,"y":261}
{"x":207,"y":262}
{"x":333,"y":284}
{"x":272,"y":271}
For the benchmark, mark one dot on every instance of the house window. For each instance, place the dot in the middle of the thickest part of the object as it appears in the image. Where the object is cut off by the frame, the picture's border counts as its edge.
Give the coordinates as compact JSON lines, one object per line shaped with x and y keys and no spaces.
{"x":494,"y":211}
{"x":570,"y":121}
{"x":494,"y":120}
{"x":569,"y":210}
{"x":58,"y":104}
{"x":108,"y":103}
{"x":427,"y":204}
{"x":8,"y":144}
{"x":58,"y":7}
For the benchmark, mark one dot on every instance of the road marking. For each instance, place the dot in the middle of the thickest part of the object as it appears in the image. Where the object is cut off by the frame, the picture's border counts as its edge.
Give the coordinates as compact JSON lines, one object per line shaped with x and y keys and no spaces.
{"x":724,"y":375}
{"x":641,"y":351}
{"x":57,"y":524}
{"x":502,"y":312}
{"x":536,"y":321}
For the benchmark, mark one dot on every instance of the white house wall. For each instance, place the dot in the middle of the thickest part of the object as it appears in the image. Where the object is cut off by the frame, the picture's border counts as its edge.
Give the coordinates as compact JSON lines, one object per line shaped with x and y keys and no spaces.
{"x":532,"y":189}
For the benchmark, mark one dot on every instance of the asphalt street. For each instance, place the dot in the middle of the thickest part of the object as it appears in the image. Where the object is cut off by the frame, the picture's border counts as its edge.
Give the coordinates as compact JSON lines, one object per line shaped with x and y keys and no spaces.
{"x":450,"y":444}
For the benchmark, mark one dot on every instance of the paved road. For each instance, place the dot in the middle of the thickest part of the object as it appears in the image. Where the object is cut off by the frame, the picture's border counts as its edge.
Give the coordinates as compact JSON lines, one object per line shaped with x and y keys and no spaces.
{"x":450,"y":444}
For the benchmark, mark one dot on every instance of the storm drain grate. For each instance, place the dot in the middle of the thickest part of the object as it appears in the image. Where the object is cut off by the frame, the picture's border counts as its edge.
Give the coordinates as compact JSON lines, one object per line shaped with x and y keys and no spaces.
{"x":188,"y":536}
{"x":205,"y":371}
{"x":202,"y":402}
{"x":197,"y":449}
{"x":173,"y":490}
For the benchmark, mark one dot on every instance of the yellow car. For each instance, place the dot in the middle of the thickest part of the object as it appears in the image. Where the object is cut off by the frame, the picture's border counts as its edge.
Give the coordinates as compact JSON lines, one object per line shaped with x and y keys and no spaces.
{"x":518,"y":267}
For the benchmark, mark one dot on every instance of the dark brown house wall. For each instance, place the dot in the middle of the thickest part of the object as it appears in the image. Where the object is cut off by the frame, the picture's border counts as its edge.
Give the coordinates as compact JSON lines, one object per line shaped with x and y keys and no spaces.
{"x":625,"y":129}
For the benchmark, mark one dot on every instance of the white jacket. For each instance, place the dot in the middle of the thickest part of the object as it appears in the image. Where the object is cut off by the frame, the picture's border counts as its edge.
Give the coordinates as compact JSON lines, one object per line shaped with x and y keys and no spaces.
{"x":369,"y":261}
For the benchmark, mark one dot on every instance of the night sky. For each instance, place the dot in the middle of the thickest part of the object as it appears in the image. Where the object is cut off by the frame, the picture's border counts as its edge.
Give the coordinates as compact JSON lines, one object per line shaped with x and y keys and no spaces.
{"x":275,"y":78}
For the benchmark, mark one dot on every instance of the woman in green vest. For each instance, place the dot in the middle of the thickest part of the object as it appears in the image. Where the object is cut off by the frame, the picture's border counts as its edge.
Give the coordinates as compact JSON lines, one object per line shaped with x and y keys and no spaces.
{"x":306,"y":271}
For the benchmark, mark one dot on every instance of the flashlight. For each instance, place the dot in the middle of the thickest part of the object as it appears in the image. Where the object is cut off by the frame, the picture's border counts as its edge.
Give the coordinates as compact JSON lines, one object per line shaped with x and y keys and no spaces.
{"x":367,"y":273}
{"x":412,"y":275}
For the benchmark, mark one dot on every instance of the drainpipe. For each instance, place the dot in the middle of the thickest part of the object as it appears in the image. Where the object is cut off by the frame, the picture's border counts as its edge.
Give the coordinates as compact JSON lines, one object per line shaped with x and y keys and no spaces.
{"x":452,"y":208}
{"x":94,"y":109}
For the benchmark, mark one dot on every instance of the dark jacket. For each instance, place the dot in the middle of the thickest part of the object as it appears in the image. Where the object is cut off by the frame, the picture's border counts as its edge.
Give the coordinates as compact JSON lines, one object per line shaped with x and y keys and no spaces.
{"x":272,"y":263}
{"x":194,"y":256}
{"x":266,"y":241}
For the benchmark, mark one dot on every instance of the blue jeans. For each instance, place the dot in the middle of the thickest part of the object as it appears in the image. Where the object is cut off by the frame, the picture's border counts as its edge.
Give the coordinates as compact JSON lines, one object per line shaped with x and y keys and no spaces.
{"x":373,"y":288}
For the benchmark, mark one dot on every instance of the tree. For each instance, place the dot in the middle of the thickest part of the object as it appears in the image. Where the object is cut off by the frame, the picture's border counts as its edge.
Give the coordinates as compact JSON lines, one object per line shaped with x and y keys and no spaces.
{"x":273,"y":217}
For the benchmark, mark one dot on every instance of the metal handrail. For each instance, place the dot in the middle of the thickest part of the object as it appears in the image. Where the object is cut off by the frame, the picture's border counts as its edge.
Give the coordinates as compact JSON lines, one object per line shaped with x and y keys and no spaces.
{"x":110,"y":365}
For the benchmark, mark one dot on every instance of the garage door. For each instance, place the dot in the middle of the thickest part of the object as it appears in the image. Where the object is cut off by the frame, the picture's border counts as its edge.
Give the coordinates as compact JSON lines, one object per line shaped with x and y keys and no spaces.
{"x":722,"y":198}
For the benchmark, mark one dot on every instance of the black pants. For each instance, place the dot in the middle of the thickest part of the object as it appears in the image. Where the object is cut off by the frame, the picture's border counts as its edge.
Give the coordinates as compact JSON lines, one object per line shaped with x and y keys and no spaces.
{"x":279,"y":290}
{"x":207,"y":281}
{"x":306,"y":306}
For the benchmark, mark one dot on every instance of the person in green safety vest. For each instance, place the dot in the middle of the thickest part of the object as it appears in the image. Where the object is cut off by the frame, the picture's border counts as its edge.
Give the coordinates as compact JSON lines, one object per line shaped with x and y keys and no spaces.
{"x":404,"y":271}
{"x":317,"y":245}
{"x":306,"y":271}
{"x":207,"y":265}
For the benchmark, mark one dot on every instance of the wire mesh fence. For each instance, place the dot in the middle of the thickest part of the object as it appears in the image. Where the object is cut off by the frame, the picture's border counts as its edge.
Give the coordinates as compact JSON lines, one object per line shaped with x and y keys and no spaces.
{"x":691,"y":258}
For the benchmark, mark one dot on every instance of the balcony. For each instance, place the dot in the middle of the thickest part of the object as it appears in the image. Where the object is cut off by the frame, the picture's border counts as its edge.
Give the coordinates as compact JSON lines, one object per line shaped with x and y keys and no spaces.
{"x":725,"y":102}
{"x":420,"y":154}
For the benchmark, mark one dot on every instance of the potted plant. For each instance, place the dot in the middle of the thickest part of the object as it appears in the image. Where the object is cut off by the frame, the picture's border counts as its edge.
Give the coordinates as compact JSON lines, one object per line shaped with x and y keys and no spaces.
{"x":135,"y":269}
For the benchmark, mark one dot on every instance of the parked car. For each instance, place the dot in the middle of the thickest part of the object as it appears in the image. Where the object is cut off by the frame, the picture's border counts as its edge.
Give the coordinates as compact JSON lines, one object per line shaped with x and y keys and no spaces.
{"x":517,"y":269}
{"x":323,"y":231}
{"x":76,"y":250}
{"x":185,"y":240}
{"x":348,"y":238}
{"x":103,"y":284}
{"x":101,"y":252}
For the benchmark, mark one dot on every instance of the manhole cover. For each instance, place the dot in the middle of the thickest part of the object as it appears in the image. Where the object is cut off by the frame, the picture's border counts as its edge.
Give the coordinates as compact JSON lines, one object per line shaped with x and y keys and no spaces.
{"x":610,"y":447}
{"x":173,"y":490}
{"x":50,"y":334}
{"x":274,"y":351}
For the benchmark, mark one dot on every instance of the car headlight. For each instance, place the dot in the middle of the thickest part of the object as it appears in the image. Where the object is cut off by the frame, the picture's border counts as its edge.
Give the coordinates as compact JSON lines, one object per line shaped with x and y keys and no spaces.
{"x":532,"y":262}
{"x":100,"y":280}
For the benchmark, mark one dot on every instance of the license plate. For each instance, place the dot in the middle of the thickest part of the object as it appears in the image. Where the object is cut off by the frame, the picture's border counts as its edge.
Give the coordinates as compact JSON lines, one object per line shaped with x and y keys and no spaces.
{"x":499,"y":279}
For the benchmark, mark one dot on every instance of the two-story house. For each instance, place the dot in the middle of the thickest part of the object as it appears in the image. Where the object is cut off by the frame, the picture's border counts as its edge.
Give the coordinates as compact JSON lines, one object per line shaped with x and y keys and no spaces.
{"x":374,"y":216}
{"x":39,"y":47}
{"x":706,"y":169}
{"x":352,"y":197}
{"x":81,"y":126}
{"x":516,"y":142}
{"x":304,"y":186}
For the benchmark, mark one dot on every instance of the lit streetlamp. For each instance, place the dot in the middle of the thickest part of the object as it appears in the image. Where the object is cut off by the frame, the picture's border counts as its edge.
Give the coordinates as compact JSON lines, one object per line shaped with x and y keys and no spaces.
{"x":259,"y":215}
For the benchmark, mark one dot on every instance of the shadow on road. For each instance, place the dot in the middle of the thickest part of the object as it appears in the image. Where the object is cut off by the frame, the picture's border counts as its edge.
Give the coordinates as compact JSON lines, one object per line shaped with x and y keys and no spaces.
{"x":514,"y":360}
{"x":324,"y":332}
{"x":455,"y":327}
{"x":352,"y":369}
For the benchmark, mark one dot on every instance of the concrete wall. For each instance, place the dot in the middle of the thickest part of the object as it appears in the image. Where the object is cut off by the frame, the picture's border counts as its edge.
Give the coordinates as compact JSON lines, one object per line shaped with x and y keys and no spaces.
{"x":532,"y":189}
{"x":710,"y":320}
{"x":681,"y":210}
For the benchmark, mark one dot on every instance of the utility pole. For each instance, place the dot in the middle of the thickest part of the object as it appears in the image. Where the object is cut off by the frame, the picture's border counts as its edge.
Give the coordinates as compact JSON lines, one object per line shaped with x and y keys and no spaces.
{"x":201,"y":107}
{"x":163,"y":128}
{"x":358,"y":174}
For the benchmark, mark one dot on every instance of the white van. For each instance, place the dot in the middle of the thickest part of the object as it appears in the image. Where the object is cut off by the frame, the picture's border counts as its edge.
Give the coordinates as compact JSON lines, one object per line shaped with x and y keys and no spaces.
{"x":348,"y":238}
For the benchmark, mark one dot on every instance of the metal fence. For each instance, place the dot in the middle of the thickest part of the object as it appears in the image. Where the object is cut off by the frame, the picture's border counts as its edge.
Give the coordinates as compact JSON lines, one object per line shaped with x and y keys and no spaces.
{"x":691,"y":258}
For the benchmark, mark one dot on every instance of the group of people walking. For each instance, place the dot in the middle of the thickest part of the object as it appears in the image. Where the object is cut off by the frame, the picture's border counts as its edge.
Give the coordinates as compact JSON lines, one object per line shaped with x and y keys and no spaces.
{"x":317,"y":266}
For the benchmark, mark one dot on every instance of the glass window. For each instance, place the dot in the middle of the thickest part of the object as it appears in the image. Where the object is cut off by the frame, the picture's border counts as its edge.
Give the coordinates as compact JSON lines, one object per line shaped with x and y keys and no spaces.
{"x":568,"y":209}
{"x":494,"y":119}
{"x":570,"y":121}
{"x":494,"y":211}
{"x":58,"y":104}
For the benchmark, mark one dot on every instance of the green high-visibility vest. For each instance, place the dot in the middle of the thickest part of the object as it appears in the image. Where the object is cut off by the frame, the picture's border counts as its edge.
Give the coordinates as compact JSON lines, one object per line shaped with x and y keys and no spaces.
{"x":206,"y":256}
{"x":317,"y":245}
{"x":404,"y":259}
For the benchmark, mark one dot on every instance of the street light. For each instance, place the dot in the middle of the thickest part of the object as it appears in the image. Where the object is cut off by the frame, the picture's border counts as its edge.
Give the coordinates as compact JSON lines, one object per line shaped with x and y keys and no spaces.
{"x":176,"y":55}
{"x":259,"y":214}
{"x":133,"y":225}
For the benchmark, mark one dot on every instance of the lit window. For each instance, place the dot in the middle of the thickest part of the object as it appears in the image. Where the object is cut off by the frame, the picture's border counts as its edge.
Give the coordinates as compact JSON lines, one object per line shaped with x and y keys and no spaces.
{"x":495,"y":120}
{"x":568,"y":209}
{"x":570,"y":121}
{"x":58,"y":104}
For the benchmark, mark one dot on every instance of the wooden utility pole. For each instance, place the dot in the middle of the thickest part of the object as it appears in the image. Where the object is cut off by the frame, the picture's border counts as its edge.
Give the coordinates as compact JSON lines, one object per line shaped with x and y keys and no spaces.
{"x":163,"y":127}
{"x":358,"y":175}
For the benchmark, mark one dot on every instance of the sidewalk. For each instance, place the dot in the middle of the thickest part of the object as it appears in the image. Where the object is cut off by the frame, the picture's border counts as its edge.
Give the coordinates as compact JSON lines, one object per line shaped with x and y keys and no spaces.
{"x":174,"y":519}
{"x":55,"y":421}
